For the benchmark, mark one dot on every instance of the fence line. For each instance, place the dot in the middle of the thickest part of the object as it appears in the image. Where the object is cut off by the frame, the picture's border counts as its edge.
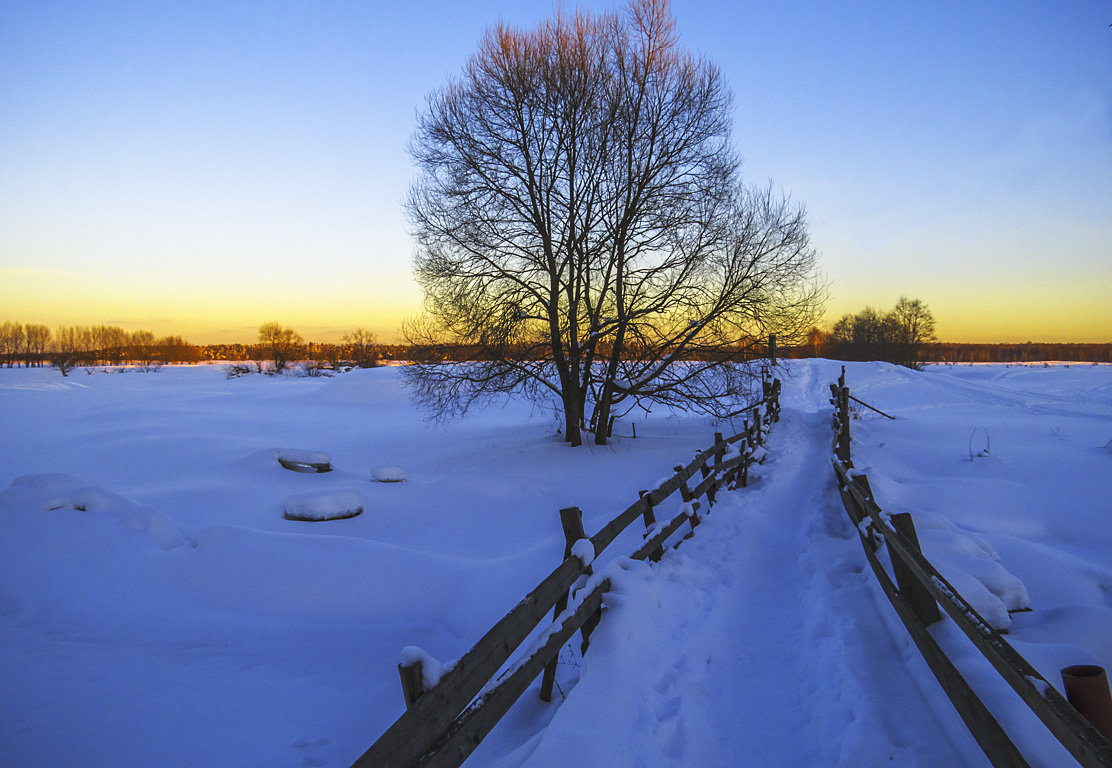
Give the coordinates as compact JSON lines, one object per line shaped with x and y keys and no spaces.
{"x":916,"y":595}
{"x":443,"y":725}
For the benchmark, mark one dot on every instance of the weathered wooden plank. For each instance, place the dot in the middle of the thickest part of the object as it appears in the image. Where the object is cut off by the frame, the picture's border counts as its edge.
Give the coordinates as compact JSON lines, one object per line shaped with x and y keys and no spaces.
{"x":656,"y":543}
{"x":571,"y":521}
{"x":871,"y":408}
{"x":993,"y":740}
{"x":917,"y":596}
{"x":611,"y":530}
{"x":1076,"y":734}
{"x":650,"y":519}
{"x":413,"y":733}
{"x":478,"y":721}
{"x":709,"y":483}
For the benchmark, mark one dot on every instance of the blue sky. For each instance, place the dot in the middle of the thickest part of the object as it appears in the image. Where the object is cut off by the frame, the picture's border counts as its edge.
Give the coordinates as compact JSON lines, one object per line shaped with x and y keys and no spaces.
{"x":201,"y":167}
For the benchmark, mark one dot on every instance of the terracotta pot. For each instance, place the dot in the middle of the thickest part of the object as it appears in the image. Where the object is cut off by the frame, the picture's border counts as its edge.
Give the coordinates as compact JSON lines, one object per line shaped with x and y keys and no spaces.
{"x":1087,"y":690}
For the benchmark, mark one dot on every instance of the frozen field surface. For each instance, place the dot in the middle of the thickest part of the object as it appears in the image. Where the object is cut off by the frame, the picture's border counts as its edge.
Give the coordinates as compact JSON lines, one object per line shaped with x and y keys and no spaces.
{"x":157,"y":609}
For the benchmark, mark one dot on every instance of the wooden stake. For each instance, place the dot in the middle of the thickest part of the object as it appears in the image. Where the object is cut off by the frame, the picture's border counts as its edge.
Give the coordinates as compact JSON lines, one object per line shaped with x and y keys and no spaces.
{"x":650,"y":519}
{"x":921,"y":600}
{"x":412,"y":682}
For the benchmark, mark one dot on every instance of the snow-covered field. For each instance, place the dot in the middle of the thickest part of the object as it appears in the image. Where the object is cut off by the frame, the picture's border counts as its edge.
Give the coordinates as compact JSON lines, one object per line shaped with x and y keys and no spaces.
{"x":156,"y":607}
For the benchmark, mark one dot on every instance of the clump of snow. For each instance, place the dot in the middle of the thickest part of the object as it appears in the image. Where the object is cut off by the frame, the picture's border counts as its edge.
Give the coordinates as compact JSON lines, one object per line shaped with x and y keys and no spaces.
{"x":431,"y":669}
{"x":584,"y":550}
{"x":389,"y":474}
{"x":305,"y":461}
{"x":335,"y":505}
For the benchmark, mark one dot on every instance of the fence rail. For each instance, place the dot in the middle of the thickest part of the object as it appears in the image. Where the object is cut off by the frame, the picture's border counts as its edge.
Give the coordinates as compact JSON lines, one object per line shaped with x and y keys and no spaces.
{"x":443,"y":725}
{"x":919,"y":590}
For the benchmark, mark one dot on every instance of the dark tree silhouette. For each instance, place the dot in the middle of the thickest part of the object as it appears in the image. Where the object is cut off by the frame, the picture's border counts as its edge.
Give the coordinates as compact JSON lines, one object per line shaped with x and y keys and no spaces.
{"x":280,"y":344}
{"x":582,"y":230}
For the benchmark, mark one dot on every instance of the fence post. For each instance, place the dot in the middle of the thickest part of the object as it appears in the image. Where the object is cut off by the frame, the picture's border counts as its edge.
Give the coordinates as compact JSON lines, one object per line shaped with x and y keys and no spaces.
{"x":704,"y":470}
{"x":685,"y":494}
{"x":412,"y":682}
{"x":920,"y":598}
{"x":843,"y":417}
{"x":650,"y":518}
{"x":772,"y":348}
{"x":719,"y":455}
{"x":571,"y":520}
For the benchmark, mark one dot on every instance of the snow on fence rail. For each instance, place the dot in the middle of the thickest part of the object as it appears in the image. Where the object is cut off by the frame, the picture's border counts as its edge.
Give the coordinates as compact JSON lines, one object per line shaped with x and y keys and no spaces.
{"x":445,"y":722}
{"x":916,"y":593}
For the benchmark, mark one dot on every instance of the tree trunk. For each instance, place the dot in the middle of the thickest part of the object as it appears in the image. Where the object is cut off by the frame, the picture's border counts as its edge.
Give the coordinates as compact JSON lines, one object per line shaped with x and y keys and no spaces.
{"x":572,"y":432}
{"x":602,"y":415}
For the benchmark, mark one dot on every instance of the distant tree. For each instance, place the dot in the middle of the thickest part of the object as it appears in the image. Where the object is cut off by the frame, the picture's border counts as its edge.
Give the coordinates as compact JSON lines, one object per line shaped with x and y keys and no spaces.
{"x":175,"y":349}
{"x":280,"y":344}
{"x":362,"y":346}
{"x":37,"y":339}
{"x":11,"y":342}
{"x":897,"y":336}
{"x":68,"y":346}
{"x":912,"y":327}
{"x":583,"y":233}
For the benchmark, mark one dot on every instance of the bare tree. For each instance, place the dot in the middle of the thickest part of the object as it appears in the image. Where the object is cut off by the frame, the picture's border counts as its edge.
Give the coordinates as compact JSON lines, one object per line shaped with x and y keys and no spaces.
{"x":362,"y":346}
{"x":37,"y":340}
{"x":69,"y":346}
{"x":913,"y":326}
{"x":140,"y":347}
{"x":11,"y":342}
{"x":281,"y":344}
{"x":582,"y":229}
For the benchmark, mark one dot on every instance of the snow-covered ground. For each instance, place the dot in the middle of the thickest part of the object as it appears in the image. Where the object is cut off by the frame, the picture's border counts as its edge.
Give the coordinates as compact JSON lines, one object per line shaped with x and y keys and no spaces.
{"x":157,"y":609}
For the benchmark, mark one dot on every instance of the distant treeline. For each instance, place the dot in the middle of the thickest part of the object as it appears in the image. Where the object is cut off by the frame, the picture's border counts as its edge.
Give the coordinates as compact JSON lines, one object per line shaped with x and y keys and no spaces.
{"x":67,"y":346}
{"x":951,"y":352}
{"x":944,"y":352}
{"x":36,"y":345}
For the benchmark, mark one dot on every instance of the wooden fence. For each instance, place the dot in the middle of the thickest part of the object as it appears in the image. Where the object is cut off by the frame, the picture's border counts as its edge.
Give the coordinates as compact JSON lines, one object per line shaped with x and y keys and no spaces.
{"x":916,"y":590}
{"x":443,"y":725}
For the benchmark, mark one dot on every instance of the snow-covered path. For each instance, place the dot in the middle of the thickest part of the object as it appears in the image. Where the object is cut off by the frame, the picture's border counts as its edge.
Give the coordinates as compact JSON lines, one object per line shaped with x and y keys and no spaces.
{"x":758,"y":642}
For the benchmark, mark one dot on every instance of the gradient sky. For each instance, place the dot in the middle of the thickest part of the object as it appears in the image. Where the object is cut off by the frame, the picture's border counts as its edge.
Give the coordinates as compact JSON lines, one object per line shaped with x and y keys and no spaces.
{"x":199,"y":168}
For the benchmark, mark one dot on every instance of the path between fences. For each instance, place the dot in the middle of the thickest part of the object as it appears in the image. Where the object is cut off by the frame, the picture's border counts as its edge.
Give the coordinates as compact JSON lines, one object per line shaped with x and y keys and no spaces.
{"x":758,"y":642}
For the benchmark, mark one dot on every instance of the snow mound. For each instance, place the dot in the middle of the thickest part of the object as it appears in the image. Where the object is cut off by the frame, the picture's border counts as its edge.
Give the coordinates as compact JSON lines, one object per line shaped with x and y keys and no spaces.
{"x":58,"y":493}
{"x":389,"y":474}
{"x":315,"y":507}
{"x":973,"y":567}
{"x":305,"y":461}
